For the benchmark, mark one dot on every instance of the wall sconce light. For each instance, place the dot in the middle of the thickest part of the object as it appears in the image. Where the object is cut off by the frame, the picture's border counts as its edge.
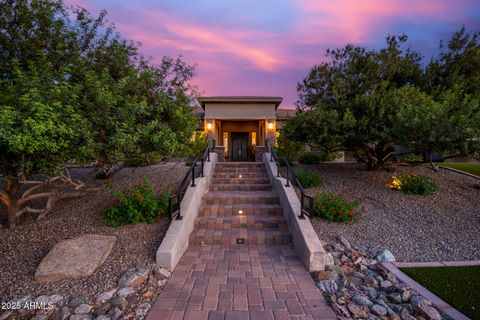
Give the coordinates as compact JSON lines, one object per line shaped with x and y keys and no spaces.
{"x":209,"y":126}
{"x":270,"y":125}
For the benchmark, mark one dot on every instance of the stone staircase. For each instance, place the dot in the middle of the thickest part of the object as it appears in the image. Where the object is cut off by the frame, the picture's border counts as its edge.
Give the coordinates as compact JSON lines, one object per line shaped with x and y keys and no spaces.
{"x":240,"y":208}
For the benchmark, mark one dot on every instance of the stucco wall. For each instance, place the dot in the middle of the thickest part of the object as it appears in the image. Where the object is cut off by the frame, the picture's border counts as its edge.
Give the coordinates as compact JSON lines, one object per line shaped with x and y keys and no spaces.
{"x":239,"y":111}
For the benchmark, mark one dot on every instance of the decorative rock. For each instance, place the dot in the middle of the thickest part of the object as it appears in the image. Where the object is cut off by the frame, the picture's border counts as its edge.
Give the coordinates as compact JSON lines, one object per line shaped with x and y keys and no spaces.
{"x":385,"y":256}
{"x":102,"y":309}
{"x":362,"y":300}
{"x":406,"y":295}
{"x":75,"y":302}
{"x":358,"y":310}
{"x":102,"y":317}
{"x":116,"y":314}
{"x":56,"y":299}
{"x":42,"y":300}
{"x":142,"y":309}
{"x":83,"y":309}
{"x":64,"y":313}
{"x":161,"y":273}
{"x":125,"y":292}
{"x":428,"y":311}
{"x":372,"y":317}
{"x":75,"y":258}
{"x":406,"y":315}
{"x":385,"y":284}
{"x":328,"y":286}
{"x":395,"y":297}
{"x":416,"y":300}
{"x":378,"y":310}
{"x":148,"y":294}
{"x":344,"y":242}
{"x":120,"y":302}
{"x":161,"y":283}
{"x":80,"y":317}
{"x":107,"y":295}
{"x":133,"y":277}
{"x":5,"y":315}
{"x":371,"y":292}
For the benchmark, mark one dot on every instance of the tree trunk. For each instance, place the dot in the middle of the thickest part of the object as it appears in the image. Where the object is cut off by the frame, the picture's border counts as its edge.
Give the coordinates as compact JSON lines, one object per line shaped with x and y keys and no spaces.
{"x":11,"y":201}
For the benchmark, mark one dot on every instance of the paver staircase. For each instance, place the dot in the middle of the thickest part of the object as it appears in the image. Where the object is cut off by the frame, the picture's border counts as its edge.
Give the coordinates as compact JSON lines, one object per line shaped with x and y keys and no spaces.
{"x":240,"y":207}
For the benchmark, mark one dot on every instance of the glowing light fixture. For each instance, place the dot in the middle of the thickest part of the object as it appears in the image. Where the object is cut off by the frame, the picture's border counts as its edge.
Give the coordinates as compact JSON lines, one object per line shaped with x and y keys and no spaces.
{"x":240,"y":211}
{"x":209,"y":126}
{"x":270,"y":125}
{"x":239,"y":175}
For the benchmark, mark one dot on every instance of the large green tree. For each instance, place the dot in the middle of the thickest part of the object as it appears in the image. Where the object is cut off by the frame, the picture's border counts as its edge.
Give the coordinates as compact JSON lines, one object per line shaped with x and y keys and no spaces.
{"x":71,"y":89}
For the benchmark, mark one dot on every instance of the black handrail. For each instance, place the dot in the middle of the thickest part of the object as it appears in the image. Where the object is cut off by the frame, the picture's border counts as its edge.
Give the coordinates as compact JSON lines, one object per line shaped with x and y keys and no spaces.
{"x":189,"y":180}
{"x":306,"y":200}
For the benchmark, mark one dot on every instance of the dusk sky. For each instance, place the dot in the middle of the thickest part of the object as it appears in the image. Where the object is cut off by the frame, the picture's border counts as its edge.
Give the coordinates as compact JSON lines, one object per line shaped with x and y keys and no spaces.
{"x":264,"y":47}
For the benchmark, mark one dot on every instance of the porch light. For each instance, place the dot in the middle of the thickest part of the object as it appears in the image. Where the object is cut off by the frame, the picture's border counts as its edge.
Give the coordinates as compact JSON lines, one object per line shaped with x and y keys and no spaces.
{"x":239,"y":175}
{"x":209,"y":126}
{"x":270,"y":125}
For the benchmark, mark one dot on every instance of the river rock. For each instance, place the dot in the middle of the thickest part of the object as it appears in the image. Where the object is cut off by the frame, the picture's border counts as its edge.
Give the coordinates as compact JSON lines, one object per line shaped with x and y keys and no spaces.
{"x":328,"y":286}
{"x":125,"y":292}
{"x":133,"y":277}
{"x":83,"y":309}
{"x":357,"y":310}
{"x":74,"y":258}
{"x":378,"y":310}
{"x":161,"y":273}
{"x":416,"y":300}
{"x":362,"y":300}
{"x":428,"y":311}
{"x":142,"y":309}
{"x":344,"y":242}
{"x":107,"y":295}
{"x":385,"y":255}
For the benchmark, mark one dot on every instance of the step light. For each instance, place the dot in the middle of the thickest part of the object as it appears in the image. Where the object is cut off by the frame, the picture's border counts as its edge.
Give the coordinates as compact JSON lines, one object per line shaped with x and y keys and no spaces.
{"x":240,"y":176}
{"x":240,"y":241}
{"x":240,"y":211}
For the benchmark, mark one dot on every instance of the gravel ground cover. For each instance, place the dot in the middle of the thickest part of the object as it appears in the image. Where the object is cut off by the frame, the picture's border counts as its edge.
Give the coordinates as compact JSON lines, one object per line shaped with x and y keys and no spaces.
{"x":23,"y":247}
{"x":440,"y":227}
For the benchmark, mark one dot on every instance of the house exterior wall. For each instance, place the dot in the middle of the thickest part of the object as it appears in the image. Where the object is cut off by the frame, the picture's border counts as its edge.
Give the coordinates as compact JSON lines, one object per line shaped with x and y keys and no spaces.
{"x":240,"y":111}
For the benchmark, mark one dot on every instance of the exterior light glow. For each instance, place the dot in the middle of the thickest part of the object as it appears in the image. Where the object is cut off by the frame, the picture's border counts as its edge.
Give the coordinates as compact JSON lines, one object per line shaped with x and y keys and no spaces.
{"x":240,"y":211}
{"x":239,"y":175}
{"x":209,"y":126}
{"x":270,"y":125}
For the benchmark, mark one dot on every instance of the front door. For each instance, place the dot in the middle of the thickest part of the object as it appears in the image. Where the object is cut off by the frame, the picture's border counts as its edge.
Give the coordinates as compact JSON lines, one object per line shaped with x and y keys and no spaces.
{"x":239,"y":146}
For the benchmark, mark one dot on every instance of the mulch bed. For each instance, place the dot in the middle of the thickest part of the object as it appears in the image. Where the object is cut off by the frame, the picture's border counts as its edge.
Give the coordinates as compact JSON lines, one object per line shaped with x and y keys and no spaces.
{"x":23,"y":247}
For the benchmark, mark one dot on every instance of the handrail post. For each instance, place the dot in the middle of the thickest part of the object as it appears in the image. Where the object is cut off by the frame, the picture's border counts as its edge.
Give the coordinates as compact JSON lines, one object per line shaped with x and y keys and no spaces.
{"x":179,"y":216}
{"x":302,"y":206}
{"x":288,"y":177}
{"x":193,"y":174}
{"x":202,"y":167}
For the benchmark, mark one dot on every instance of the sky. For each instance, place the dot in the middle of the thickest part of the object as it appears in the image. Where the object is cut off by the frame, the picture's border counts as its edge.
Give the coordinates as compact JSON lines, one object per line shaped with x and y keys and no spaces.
{"x":265,"y":47}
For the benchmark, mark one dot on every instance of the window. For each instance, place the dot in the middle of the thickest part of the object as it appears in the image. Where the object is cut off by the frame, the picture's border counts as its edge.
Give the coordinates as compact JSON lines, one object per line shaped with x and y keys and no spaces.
{"x":277,"y":134}
{"x":254,"y":138}
{"x":225,"y":141}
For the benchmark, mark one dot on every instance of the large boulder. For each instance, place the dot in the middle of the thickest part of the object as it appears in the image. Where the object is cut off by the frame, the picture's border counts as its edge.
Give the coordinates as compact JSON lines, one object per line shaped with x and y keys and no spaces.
{"x":75,"y":258}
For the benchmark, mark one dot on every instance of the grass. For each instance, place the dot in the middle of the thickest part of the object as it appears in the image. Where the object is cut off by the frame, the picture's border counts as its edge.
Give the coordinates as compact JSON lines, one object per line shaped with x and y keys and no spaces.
{"x":458,"y":286}
{"x":473,"y":168}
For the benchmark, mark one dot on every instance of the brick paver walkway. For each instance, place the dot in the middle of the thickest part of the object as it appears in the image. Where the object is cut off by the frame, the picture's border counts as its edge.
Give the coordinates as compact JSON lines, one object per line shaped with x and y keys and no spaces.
{"x":240,"y":282}
{"x":240,"y":264}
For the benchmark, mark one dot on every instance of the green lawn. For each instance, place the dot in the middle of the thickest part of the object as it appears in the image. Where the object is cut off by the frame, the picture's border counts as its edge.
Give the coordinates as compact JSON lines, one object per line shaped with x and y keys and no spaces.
{"x":458,"y":286}
{"x":473,"y":168}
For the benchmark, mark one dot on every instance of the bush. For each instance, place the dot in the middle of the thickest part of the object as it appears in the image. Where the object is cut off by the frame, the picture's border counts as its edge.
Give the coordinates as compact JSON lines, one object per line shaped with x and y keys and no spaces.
{"x":309,"y":158}
{"x":412,"y":158}
{"x":338,"y":208}
{"x":309,"y":178}
{"x":289,"y":149}
{"x":141,"y":204}
{"x":414,"y":184}
{"x":281,"y":162}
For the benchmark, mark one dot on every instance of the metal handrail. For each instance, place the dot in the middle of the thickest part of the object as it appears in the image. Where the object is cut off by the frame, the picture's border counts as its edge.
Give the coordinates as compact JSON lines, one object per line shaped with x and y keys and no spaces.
{"x":306,"y":200}
{"x":189,"y":180}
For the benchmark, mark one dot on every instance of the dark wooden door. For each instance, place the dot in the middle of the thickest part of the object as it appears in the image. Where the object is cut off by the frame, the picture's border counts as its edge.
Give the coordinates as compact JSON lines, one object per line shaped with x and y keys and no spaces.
{"x":239,"y":146}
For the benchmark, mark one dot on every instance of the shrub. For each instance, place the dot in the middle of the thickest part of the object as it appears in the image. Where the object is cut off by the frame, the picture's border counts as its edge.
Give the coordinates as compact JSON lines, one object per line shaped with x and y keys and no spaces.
{"x":414,"y":184}
{"x":338,"y":208}
{"x":141,"y":204}
{"x":309,"y":178}
{"x":412,"y":158}
{"x":281,"y":162}
{"x":309,"y":158}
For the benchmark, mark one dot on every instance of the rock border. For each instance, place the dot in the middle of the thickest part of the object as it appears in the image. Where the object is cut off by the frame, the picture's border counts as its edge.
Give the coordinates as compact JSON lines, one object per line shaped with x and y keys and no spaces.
{"x":439,"y":303}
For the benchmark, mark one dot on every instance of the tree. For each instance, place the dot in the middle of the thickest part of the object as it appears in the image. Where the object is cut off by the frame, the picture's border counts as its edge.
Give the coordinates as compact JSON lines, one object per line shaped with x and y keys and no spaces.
{"x":73,"y":90}
{"x":343,"y":105}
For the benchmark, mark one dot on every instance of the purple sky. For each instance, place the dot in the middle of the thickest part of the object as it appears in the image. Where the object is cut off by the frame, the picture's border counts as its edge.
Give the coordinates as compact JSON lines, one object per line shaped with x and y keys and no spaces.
{"x":264,"y":47}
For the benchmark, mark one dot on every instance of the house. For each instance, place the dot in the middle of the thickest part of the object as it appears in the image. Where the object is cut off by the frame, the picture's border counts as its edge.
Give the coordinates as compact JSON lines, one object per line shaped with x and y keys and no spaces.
{"x":241,"y":125}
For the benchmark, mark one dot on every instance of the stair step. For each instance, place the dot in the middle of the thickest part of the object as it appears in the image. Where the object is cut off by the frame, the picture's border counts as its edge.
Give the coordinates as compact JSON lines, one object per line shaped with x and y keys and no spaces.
{"x":240,"y":181}
{"x":240,"y":197}
{"x":240,"y":165}
{"x":240,"y":170}
{"x":245,"y":175}
{"x":240,"y":221}
{"x":241,"y":187}
{"x":245,"y":209}
{"x":249,"y":236}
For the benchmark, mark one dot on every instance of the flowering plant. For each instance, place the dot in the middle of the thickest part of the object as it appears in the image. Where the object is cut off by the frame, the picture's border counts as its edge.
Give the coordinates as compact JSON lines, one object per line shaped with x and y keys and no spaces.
{"x":141,"y":204}
{"x":413,"y":184}
{"x":339,"y":208}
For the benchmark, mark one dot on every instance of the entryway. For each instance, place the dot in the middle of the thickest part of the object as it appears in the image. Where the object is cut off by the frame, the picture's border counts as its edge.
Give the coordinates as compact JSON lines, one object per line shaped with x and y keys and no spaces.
{"x":239,"y":146}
